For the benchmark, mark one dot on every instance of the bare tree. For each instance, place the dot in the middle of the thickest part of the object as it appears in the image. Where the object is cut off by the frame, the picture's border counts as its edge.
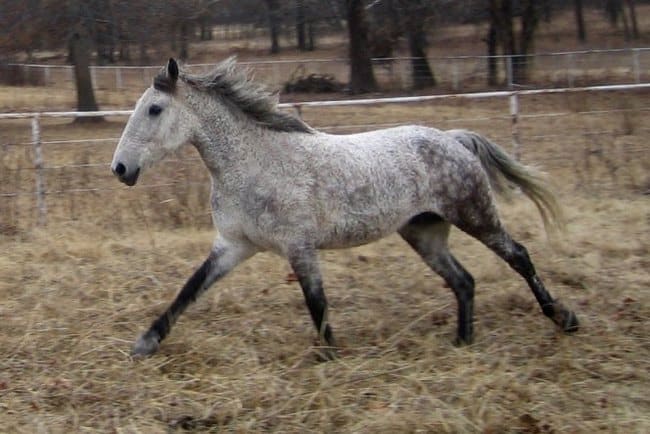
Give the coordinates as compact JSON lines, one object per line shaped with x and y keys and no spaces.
{"x":518,"y":47}
{"x":632,"y":10}
{"x":80,"y":57}
{"x":362,"y":78}
{"x":416,"y":16}
{"x":273,"y":17}
{"x":580,"y":20}
{"x":301,"y":38}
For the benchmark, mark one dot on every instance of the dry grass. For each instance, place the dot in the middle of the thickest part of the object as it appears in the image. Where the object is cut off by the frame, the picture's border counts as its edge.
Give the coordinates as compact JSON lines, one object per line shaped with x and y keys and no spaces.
{"x":76,"y":293}
{"x":241,"y":359}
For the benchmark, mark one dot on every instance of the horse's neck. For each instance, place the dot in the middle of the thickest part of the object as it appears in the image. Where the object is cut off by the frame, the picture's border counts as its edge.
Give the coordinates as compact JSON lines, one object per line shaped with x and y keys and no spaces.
{"x":228,"y":140}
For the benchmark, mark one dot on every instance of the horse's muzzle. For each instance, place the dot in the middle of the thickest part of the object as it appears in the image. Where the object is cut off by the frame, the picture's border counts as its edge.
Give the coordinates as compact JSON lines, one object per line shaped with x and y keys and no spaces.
{"x":129,"y":177}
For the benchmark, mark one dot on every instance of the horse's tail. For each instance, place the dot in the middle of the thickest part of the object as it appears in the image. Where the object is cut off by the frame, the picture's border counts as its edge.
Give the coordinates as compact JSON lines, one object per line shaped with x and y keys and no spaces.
{"x":503,"y":171}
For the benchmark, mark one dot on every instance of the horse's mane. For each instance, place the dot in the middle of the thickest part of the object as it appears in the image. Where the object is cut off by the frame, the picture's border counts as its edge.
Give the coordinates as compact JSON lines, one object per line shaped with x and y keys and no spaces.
{"x":236,"y":85}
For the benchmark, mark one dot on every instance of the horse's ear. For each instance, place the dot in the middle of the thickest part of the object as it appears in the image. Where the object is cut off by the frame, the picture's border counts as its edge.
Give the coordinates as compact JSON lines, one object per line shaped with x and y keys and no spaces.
{"x":172,"y":69}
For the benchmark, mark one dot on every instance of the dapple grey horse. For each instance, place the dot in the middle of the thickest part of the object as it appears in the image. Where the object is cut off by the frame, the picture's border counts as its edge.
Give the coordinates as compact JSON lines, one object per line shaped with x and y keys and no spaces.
{"x":279,"y":185}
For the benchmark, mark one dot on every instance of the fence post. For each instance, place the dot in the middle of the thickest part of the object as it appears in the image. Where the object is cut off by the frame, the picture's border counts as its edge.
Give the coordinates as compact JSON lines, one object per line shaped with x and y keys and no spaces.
{"x":509,"y":77}
{"x":93,"y":76}
{"x":118,"y":78}
{"x":570,"y":66}
{"x":38,"y":173}
{"x":636,"y":65}
{"x":514,"y":117}
{"x":455,"y":75}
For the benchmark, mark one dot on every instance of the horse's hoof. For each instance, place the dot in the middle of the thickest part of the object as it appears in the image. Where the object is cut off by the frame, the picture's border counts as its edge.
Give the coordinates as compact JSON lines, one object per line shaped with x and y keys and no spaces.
{"x":460,"y":342}
{"x":326,"y":354}
{"x":146,"y":345}
{"x":565,"y":319}
{"x":571,"y":324}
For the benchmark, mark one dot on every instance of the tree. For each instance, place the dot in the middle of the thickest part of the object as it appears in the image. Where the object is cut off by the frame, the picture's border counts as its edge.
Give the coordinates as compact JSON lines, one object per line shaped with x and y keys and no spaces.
{"x":502,"y":16}
{"x":80,"y":57}
{"x":635,"y":28}
{"x":273,"y":16}
{"x":580,"y":20}
{"x":362,"y":78}
{"x":491,"y":41}
{"x":300,"y":25}
{"x":416,"y":15}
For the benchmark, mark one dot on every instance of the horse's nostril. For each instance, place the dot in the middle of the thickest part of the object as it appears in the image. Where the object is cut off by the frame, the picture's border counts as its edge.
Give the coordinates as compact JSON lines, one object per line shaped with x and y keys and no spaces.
{"x":120,"y":169}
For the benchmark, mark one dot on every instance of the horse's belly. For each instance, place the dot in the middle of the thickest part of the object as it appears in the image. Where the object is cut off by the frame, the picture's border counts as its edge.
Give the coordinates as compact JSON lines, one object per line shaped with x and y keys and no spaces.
{"x":359,"y":231}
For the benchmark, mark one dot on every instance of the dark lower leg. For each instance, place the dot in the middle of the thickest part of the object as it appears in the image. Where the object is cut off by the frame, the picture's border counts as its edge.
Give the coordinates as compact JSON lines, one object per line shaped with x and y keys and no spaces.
{"x":220,"y":261}
{"x":517,"y":257}
{"x":429,"y":240}
{"x":194,"y":286}
{"x":462,"y":283}
{"x":305,"y":265}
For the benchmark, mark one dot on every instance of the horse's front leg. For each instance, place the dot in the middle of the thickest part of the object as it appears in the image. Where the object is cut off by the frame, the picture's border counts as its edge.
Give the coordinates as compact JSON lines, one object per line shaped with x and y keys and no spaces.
{"x":304,"y":262}
{"x":223,"y":257}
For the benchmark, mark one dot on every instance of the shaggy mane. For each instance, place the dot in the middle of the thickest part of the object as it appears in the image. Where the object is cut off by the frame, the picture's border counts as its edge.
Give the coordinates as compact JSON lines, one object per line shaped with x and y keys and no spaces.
{"x":236,"y":86}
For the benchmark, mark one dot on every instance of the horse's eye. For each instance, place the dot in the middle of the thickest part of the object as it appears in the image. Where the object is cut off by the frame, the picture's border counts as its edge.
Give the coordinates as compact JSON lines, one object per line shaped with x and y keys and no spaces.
{"x":155,"y":110}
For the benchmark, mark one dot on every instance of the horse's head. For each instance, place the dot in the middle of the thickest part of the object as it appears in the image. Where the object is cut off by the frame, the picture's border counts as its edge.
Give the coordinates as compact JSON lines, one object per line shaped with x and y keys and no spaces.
{"x":159,"y":125}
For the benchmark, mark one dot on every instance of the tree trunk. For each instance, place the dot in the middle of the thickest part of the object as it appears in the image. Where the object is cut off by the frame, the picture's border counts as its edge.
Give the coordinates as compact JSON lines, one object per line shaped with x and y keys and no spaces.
{"x":300,"y":25}
{"x":80,"y":56}
{"x":311,"y":36}
{"x":362,"y":78}
{"x":492,"y":52}
{"x":612,"y":8}
{"x":501,"y":10}
{"x":421,"y":73}
{"x":529,"y":20}
{"x":626,"y":28}
{"x":580,"y":20}
{"x":274,"y":25}
{"x":635,"y":27}
{"x":183,"y":54}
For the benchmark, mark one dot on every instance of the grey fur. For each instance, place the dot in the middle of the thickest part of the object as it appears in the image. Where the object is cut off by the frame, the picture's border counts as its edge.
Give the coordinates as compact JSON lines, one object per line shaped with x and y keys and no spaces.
{"x":279,"y":185}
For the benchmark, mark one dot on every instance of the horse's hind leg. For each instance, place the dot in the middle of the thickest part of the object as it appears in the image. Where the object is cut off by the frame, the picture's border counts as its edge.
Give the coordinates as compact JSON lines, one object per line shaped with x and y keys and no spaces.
{"x":481,"y":221}
{"x":517,"y":257}
{"x":427,"y":233}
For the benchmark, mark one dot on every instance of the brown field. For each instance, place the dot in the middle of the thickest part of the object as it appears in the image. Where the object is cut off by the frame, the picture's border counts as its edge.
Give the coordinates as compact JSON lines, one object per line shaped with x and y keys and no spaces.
{"x":76,"y":292}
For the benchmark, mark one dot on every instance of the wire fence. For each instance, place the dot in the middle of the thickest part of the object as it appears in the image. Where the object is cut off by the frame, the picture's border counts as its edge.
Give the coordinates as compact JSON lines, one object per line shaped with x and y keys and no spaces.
{"x":564,"y":69}
{"x":48,"y":177}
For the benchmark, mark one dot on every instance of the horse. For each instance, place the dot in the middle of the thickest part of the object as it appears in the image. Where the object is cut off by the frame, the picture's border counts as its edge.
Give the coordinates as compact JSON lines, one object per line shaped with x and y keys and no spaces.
{"x":279,"y":185}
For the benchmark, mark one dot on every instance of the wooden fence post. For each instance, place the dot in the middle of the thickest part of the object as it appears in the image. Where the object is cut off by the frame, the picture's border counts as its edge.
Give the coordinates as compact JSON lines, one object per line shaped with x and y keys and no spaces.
{"x":509,"y":72}
{"x":636,"y":67}
{"x":38,"y":171}
{"x":570,"y":67}
{"x":455,"y":75}
{"x":514,"y":116}
{"x":118,"y":78}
